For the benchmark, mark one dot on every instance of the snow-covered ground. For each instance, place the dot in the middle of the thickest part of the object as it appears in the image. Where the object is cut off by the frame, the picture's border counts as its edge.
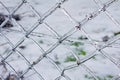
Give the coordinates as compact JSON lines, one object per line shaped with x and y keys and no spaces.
{"x":97,"y":28}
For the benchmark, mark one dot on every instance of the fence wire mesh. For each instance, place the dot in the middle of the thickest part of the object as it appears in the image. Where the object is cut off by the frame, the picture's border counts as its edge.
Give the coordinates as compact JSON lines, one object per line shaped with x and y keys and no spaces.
{"x":32,"y":50}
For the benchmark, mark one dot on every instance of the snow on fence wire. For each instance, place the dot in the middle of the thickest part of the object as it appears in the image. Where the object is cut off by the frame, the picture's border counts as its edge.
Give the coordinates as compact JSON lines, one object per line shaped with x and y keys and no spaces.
{"x":60,"y":39}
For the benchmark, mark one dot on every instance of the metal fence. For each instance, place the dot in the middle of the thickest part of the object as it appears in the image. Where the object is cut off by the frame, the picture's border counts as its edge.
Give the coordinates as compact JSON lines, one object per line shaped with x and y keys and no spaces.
{"x":7,"y":54}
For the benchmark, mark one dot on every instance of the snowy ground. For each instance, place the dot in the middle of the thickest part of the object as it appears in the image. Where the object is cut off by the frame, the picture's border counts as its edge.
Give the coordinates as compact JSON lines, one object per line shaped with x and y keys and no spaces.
{"x":97,"y":28}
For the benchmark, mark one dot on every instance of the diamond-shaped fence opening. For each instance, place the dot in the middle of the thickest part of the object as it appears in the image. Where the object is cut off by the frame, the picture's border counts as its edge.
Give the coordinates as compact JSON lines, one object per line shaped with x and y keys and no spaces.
{"x":59,"y":40}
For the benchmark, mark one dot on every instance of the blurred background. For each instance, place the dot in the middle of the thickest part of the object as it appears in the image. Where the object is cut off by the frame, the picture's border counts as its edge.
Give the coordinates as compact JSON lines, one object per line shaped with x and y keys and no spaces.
{"x":59,"y":39}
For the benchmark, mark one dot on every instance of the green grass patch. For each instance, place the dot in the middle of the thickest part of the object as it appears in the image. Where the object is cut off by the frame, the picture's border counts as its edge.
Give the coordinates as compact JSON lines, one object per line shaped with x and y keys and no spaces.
{"x":116,"y":33}
{"x":82,"y":52}
{"x":107,"y":77}
{"x":77,"y":44}
{"x":70,"y":59}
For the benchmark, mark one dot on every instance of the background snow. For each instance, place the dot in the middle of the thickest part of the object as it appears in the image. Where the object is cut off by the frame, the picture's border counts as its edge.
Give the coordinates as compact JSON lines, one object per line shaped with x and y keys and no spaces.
{"x":97,"y":28}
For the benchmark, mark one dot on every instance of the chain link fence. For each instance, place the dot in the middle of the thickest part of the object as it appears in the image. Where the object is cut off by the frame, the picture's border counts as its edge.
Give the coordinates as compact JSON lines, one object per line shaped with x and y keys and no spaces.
{"x":43,"y":50}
